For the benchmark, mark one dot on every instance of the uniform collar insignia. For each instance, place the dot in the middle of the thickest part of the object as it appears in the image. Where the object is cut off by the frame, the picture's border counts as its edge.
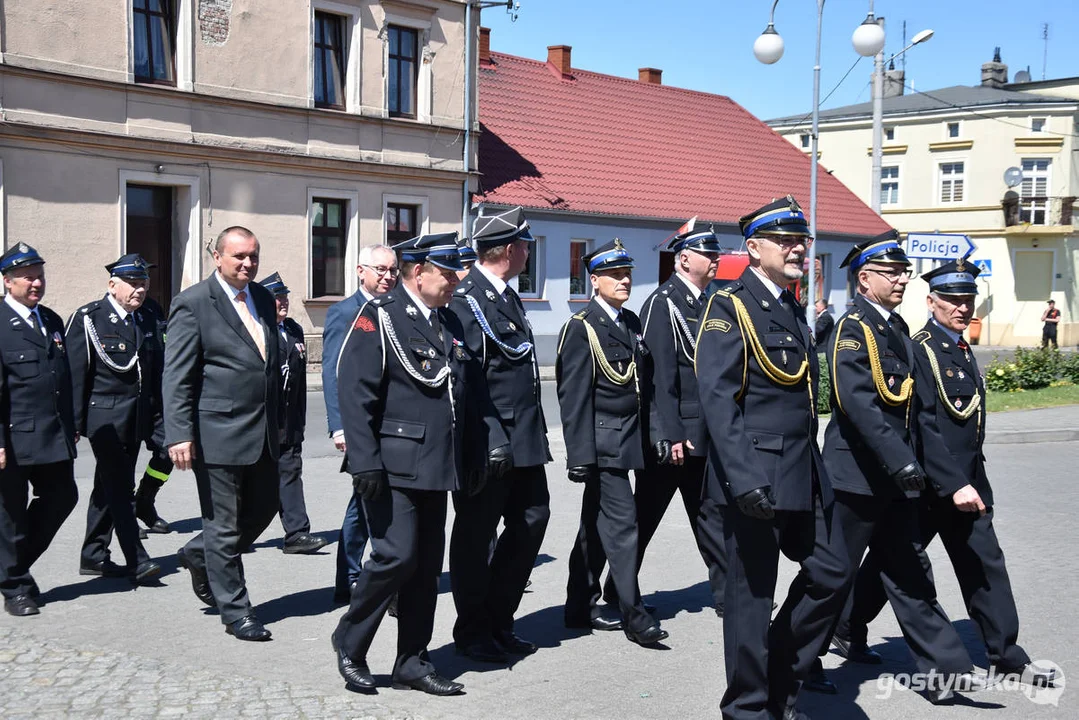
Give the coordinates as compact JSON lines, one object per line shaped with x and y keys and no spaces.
{"x":411,"y":311}
{"x":491,"y":295}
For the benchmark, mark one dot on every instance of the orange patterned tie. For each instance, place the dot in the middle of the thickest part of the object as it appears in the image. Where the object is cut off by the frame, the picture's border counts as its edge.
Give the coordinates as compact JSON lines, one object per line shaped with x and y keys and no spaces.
{"x":252,"y":325}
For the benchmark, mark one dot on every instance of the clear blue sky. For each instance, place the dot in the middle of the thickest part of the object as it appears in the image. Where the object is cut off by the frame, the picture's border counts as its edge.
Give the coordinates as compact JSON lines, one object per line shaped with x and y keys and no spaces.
{"x":707,"y":45}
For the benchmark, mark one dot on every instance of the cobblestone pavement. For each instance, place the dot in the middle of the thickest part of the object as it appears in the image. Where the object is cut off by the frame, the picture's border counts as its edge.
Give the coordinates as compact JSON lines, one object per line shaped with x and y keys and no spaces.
{"x":49,"y":679}
{"x":101,"y":649}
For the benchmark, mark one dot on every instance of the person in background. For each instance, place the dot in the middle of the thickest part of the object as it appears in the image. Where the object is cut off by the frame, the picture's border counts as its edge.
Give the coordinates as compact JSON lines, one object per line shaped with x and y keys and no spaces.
{"x":377,"y":273}
{"x":822,"y":328}
{"x":293,"y":418}
{"x":37,"y":428}
{"x":1051,"y":318}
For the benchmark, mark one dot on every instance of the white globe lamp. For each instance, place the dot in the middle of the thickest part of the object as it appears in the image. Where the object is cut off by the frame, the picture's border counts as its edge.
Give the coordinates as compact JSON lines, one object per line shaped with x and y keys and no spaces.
{"x":768,"y":48}
{"x":868,"y":38}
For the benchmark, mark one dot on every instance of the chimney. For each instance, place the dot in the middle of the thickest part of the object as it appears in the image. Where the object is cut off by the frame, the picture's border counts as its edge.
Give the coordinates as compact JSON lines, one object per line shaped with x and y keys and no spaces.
{"x":893,"y":81}
{"x":652,"y":76}
{"x":485,"y":46}
{"x":558,"y":58}
{"x":995,"y":74}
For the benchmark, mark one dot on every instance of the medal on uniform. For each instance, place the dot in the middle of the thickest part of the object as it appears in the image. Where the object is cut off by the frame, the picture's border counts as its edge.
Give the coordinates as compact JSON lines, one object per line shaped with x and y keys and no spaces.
{"x":891,"y":381}
{"x":56,"y":338}
{"x":620,"y":368}
{"x":949,"y":372}
{"x":460,"y":352}
{"x":410,"y":311}
{"x":783,"y":354}
{"x":122,"y":347}
{"x":961,"y":375}
{"x":431,"y":351}
{"x":513,"y":328}
{"x":958,"y":403}
{"x":426,"y":365}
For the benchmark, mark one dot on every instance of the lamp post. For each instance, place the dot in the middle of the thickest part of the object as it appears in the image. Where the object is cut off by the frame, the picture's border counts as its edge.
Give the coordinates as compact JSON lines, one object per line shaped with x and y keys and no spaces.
{"x":512,"y":8}
{"x":868,"y":40}
{"x":878,"y":115}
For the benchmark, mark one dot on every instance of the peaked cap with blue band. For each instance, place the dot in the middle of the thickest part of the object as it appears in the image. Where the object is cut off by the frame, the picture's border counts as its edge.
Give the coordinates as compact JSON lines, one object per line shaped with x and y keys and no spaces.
{"x":779,"y":217}
{"x":610,"y":256}
{"x":884,"y":248}
{"x":21,"y":255}
{"x":699,"y":239}
{"x":275,"y":284}
{"x":953,"y":278}
{"x":490,"y":231}
{"x":130,"y":267}
{"x":439,"y":249}
{"x":466,"y":251}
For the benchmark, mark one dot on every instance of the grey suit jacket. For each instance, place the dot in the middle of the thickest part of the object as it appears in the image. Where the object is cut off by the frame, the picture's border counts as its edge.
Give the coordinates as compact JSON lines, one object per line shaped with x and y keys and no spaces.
{"x":218,"y":392}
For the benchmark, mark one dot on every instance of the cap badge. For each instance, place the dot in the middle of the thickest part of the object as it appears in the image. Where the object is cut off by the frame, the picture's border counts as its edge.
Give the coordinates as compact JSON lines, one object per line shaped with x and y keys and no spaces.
{"x":618,"y":244}
{"x":960,"y":265}
{"x":24,"y":248}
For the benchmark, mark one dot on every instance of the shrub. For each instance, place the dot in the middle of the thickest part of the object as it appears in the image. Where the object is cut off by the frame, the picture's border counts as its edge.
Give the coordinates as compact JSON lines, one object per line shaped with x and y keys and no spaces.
{"x":824,"y":387}
{"x":1031,"y":369}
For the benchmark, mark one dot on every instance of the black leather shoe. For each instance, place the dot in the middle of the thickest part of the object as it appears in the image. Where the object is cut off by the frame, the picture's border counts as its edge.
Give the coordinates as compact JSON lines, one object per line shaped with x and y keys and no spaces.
{"x":142,"y":534}
{"x":649,"y":636}
{"x":356,"y":674}
{"x":248,"y":628}
{"x":102,"y":568}
{"x":200,"y":584}
{"x":510,"y":643}
{"x":433,"y":684}
{"x":304,"y":544}
{"x":856,"y":652}
{"x":818,"y":682}
{"x":21,"y":606}
{"x":145,"y":570}
{"x":483,"y":651}
{"x":158,"y":527}
{"x":1031,"y":674}
{"x":343,"y":596}
{"x":719,"y":611}
{"x":602,"y":622}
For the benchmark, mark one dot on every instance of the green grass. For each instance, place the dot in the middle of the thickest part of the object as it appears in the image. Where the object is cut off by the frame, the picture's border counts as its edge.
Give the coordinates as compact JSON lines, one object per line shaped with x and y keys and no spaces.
{"x":1031,"y":399}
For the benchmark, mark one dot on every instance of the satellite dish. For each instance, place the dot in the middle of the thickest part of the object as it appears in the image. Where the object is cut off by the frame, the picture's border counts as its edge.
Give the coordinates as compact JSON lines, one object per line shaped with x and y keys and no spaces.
{"x":1013,"y":176}
{"x":1022,"y":76}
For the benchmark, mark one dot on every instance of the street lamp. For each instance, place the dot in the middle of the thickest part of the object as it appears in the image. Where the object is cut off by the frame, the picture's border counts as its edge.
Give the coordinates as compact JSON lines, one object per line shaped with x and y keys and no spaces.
{"x":878,"y":115}
{"x":512,"y":8}
{"x":868,"y":40}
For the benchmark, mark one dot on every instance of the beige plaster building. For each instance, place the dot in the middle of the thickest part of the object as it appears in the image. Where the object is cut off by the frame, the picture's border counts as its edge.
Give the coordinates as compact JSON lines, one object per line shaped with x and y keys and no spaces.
{"x":151,"y":125}
{"x":945,"y":155}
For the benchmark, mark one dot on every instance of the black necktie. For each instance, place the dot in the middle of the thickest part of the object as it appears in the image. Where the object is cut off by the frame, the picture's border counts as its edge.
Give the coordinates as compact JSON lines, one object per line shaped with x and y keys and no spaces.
{"x":898,"y":323}
{"x":436,"y":324}
{"x":787,"y":298}
{"x":33,"y":321}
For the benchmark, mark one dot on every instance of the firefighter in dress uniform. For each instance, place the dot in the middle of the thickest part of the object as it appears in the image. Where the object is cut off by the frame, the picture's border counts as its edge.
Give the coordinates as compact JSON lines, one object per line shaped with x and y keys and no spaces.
{"x":115,"y":356}
{"x":604,"y":379}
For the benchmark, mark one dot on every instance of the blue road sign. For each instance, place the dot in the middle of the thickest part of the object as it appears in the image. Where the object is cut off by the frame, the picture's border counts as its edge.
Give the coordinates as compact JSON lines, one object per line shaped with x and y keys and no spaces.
{"x":938,"y":246}
{"x":986,"y":267}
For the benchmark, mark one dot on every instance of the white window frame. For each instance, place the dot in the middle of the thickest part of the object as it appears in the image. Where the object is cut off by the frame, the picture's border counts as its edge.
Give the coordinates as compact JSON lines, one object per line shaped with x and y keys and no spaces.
{"x":353,"y":42}
{"x":588,"y":244}
{"x":538,"y":252}
{"x":940,"y":182}
{"x":184,"y":49}
{"x":1044,"y":121}
{"x":424,"y":56}
{"x":958,"y":132}
{"x":187,"y":204}
{"x":1047,"y":206}
{"x":421,"y":201}
{"x":898,"y":181}
{"x":352,"y":234}
{"x":804,"y":140}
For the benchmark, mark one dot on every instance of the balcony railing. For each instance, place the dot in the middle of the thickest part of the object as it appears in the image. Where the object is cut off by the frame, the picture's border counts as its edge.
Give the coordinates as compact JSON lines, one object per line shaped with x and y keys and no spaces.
{"x":1037,"y":210}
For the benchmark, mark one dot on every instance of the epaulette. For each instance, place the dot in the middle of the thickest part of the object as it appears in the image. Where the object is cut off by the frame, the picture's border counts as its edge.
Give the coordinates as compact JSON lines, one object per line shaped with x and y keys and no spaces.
{"x":729,"y":288}
{"x":381,"y":300}
{"x":93,"y":305}
{"x":921,"y":336}
{"x":855,"y":315}
{"x":582,"y":314}
{"x":465,"y":286}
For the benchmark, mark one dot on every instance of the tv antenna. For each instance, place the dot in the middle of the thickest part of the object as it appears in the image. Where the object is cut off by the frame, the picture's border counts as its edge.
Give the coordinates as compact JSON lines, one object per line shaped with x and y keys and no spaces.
{"x":1045,"y":49}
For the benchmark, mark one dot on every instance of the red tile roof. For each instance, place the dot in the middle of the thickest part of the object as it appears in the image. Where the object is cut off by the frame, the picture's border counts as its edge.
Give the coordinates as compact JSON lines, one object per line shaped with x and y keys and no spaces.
{"x":601,"y":144}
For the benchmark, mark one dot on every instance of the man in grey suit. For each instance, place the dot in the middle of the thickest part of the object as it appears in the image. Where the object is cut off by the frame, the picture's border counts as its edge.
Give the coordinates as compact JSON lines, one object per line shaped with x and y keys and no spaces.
{"x":221,"y":391}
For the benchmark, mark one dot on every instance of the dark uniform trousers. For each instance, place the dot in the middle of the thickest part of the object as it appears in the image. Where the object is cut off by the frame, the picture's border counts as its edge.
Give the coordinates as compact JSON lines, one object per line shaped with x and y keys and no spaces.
{"x":293,"y":420}
{"x":400,"y":419}
{"x":865,"y":443}
{"x":489,"y":576}
{"x":116,"y":410}
{"x":950,"y":450}
{"x":762,"y":434}
{"x":670,"y":317}
{"x":37,"y":432}
{"x":608,"y":425}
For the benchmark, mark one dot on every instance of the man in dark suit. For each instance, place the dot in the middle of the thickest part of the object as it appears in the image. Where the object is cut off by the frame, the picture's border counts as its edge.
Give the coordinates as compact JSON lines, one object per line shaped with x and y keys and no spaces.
{"x":292,"y":411}
{"x":870,"y":454}
{"x":115,"y":356}
{"x":488,"y":586}
{"x":670,"y":317}
{"x":159,"y":466}
{"x":408,"y":391}
{"x":822,"y":328}
{"x":604,"y":376}
{"x":757,"y":370}
{"x":37,"y":427}
{"x":221,"y":391}
{"x":958,"y":501}
{"x":377,"y":271}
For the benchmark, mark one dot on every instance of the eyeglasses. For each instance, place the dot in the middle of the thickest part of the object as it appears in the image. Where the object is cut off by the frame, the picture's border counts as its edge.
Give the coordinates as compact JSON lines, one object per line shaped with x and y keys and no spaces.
{"x":893,"y":275}
{"x":381,"y":270}
{"x":788,"y":242}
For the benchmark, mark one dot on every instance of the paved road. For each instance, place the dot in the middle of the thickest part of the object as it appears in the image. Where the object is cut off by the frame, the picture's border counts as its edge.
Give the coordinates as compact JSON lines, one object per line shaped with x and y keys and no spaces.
{"x":102,"y":649}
